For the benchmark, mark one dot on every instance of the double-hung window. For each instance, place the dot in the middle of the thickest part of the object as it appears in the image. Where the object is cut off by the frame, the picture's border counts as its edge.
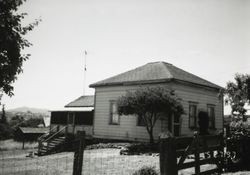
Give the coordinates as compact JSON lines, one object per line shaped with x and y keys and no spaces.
{"x":193,"y":115}
{"x":114,"y":117}
{"x":140,"y":121}
{"x":211,"y":116}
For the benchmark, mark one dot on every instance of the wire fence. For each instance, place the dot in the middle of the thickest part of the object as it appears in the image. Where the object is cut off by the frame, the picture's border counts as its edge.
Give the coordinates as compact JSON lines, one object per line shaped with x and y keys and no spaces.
{"x":24,"y":162}
{"x":95,"y":162}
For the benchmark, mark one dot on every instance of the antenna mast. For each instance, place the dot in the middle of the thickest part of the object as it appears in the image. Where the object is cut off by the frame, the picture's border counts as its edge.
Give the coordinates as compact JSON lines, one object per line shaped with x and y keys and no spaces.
{"x":85,"y":71}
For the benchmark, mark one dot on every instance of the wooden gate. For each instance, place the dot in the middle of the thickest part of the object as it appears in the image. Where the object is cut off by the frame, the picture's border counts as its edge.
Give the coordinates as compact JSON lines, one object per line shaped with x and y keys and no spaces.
{"x":201,"y":149}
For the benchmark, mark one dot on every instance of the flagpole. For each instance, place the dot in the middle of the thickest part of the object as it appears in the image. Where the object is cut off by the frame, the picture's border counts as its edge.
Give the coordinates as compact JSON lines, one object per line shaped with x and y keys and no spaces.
{"x":84,"y":71}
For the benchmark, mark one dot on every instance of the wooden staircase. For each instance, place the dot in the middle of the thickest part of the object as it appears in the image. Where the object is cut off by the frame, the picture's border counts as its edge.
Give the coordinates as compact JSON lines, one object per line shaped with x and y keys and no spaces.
{"x":52,"y":142}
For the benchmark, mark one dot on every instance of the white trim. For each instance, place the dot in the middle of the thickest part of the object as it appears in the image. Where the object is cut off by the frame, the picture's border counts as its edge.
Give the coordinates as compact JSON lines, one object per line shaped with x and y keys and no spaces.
{"x":72,"y":109}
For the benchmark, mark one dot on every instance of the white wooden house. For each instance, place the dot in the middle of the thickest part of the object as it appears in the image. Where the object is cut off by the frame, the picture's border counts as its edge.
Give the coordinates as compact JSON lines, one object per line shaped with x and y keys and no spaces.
{"x":196,"y":94}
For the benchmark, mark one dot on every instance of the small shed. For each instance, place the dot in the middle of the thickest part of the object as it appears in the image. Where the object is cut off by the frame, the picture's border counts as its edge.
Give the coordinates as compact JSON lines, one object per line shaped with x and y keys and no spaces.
{"x":26,"y":134}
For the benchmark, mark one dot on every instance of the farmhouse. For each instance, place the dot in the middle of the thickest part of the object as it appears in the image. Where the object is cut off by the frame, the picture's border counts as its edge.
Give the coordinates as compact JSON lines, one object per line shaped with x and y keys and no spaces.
{"x":196,"y":94}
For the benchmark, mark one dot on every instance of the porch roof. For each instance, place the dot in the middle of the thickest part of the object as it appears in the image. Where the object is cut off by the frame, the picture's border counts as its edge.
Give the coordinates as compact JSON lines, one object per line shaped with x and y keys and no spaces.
{"x":83,"y":101}
{"x":74,"y":109}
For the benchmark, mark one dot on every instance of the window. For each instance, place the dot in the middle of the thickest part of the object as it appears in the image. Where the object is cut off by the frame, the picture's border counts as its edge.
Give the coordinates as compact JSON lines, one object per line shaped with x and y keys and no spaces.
{"x":211,"y":116}
{"x":71,"y":118}
{"x":176,"y":125}
{"x":140,"y":121}
{"x":59,"y":118}
{"x":114,"y":117}
{"x":192,"y":115}
{"x":84,"y":118}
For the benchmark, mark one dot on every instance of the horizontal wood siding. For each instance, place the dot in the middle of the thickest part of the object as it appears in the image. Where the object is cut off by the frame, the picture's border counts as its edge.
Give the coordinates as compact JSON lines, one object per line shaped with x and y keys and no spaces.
{"x":128,"y":130}
{"x":203,"y":97}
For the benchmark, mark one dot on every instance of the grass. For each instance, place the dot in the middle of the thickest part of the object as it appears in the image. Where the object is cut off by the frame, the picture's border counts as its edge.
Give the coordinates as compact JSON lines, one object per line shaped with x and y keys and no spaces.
{"x":10,"y":144}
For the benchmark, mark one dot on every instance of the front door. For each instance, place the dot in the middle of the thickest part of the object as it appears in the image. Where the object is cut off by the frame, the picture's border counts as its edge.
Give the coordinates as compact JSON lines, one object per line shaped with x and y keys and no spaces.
{"x":174,"y":125}
{"x":71,"y":122}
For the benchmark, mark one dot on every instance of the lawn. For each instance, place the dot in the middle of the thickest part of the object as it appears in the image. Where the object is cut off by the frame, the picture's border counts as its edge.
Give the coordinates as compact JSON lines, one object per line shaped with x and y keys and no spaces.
{"x":96,"y":162}
{"x":10,"y":144}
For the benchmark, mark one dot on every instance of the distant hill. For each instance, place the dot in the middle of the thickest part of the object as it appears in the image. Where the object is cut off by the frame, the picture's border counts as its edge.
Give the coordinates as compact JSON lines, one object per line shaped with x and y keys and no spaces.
{"x":29,"y":110}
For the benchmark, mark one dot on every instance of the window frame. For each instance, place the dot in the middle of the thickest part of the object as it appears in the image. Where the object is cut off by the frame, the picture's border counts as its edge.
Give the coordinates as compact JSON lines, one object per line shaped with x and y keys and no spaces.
{"x":209,"y":116}
{"x":138,"y":123}
{"x":191,"y":104}
{"x":111,"y":113}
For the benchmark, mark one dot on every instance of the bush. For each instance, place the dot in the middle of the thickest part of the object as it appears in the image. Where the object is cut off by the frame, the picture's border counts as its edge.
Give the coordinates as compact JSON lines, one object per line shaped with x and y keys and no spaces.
{"x":5,"y":131}
{"x":140,"y":148}
{"x":146,"y":171}
{"x":238,"y":146}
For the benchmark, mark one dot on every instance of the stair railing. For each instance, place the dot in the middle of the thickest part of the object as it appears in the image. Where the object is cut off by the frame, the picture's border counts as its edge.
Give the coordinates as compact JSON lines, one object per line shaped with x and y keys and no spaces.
{"x":53,"y":135}
{"x":43,"y":138}
{"x":57,"y":133}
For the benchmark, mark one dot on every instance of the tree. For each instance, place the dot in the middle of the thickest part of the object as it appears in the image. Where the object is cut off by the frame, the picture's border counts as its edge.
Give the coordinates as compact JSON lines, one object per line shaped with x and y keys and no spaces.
{"x":150,"y":104}
{"x":12,"y":42}
{"x":3,"y":119}
{"x":238,"y":94}
{"x":6,"y":131}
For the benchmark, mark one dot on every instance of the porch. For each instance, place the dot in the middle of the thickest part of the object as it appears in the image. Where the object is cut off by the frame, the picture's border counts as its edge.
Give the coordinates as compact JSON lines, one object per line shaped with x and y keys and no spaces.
{"x":73,"y":120}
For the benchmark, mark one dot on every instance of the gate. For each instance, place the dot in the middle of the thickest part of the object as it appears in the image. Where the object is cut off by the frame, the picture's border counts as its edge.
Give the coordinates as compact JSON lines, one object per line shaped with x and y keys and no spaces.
{"x":202,"y":149}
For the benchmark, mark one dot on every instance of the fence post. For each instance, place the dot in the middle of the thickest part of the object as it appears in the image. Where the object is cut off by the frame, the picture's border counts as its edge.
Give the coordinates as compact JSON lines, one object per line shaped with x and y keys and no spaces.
{"x":221,"y":153}
{"x":78,"y":156}
{"x":168,"y":159}
{"x":197,"y":153}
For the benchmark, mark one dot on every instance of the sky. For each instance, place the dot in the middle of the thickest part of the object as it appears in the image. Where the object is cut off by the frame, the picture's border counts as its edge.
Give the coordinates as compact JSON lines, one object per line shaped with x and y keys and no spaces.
{"x":208,"y":38}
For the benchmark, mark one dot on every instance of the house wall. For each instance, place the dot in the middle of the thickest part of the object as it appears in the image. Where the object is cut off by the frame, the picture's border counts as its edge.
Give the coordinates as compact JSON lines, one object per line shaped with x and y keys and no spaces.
{"x":128,"y":129}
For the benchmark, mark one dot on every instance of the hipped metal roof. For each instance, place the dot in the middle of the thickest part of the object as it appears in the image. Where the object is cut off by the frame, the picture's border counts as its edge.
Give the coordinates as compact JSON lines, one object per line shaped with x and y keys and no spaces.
{"x":156,"y":72}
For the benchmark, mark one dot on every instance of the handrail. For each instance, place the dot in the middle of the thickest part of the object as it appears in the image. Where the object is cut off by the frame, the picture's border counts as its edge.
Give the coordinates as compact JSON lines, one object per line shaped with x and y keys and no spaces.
{"x":55,"y":133}
{"x":44,"y":135}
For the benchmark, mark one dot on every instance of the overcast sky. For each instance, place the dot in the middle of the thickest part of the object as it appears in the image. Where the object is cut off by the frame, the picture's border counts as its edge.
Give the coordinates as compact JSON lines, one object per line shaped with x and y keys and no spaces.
{"x":209,"y":38}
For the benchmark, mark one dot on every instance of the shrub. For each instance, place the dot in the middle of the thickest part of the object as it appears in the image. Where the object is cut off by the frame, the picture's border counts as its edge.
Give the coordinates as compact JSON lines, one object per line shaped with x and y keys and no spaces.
{"x":238,"y":145}
{"x":145,"y":170}
{"x":140,"y":148}
{"x":5,"y":131}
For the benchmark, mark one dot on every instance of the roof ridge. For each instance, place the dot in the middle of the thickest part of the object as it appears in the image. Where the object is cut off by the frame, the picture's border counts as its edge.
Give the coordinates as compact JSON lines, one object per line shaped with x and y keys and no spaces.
{"x":160,"y":62}
{"x":166,"y":69}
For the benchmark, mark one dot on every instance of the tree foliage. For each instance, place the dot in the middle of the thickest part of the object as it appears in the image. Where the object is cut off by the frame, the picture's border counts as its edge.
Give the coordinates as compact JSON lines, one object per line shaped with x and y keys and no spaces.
{"x":12,"y":42}
{"x":238,"y":93}
{"x":150,"y":103}
{"x":3,"y":118}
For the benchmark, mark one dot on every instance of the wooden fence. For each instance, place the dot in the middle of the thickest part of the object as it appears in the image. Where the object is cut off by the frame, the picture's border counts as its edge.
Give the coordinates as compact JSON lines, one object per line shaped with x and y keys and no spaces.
{"x":203,"y":149}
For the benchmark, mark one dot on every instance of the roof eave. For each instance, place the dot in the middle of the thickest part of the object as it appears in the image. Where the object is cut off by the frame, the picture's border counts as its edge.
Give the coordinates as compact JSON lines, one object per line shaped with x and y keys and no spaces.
{"x":69,"y":106}
{"x":130,"y":83}
{"x":216,"y":87}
